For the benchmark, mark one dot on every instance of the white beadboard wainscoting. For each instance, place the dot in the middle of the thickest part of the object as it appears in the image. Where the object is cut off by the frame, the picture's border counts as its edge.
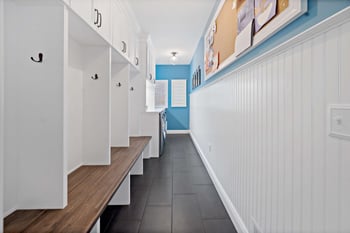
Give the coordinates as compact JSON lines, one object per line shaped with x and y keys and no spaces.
{"x":262,"y":133}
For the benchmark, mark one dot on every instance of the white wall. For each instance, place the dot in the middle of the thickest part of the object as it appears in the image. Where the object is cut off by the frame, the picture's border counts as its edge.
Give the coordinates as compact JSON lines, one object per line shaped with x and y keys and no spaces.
{"x":266,"y":123}
{"x":34,"y":104}
{"x":150,"y":127}
{"x":87,"y":106}
{"x":1,"y":112}
{"x":120,"y":105}
{"x":96,"y":105}
{"x":74,"y":106}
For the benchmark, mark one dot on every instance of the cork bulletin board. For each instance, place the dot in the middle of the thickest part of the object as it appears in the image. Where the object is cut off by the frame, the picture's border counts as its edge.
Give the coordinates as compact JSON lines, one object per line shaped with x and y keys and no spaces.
{"x":240,"y":25}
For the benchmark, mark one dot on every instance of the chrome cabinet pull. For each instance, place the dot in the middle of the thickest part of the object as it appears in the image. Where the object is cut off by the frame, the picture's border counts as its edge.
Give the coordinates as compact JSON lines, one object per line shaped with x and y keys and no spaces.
{"x":100,"y":19}
{"x":124,"y":47}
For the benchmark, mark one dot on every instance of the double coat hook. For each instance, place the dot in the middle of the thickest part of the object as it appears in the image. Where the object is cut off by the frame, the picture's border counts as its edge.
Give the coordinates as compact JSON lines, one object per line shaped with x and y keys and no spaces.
{"x":40,"y":60}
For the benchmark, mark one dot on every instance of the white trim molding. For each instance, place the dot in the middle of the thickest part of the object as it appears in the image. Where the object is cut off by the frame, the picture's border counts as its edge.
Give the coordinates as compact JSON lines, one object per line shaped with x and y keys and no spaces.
{"x":177,"y":131}
{"x":230,"y":208}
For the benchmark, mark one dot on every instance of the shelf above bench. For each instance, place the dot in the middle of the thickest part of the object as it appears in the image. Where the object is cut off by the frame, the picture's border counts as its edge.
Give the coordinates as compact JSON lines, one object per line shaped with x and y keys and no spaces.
{"x":90,"y":188}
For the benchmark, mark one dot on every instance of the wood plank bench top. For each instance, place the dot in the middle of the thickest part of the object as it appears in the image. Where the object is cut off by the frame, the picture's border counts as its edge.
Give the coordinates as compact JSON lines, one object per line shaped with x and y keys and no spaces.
{"x":90,"y":188}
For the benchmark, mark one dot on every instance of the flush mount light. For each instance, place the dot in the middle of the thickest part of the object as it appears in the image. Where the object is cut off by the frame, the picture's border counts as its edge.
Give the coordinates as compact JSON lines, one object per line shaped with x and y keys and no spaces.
{"x":173,"y":57}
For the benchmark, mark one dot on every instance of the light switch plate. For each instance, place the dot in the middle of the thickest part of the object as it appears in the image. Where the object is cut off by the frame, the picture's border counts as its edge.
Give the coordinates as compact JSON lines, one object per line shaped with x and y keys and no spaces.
{"x":339,"y":121}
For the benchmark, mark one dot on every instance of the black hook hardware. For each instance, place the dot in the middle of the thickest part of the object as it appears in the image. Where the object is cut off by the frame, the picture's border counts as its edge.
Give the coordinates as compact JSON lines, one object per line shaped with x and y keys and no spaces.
{"x":40,"y":58}
{"x":136,"y":61}
{"x":94,"y":77}
{"x":118,"y":84}
{"x":150,"y":76}
{"x":132,"y":89}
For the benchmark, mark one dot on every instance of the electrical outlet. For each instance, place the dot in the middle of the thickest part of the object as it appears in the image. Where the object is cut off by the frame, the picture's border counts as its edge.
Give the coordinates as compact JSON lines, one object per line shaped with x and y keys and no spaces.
{"x":339,"y":121}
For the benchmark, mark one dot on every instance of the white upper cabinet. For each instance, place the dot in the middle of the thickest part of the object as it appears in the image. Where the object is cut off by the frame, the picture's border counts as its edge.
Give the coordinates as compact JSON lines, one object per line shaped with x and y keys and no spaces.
{"x":134,"y":46}
{"x":150,"y":62}
{"x":137,"y":52}
{"x":96,"y":13}
{"x":120,"y":37}
{"x":132,"y":43}
{"x":113,"y":20}
{"x":102,"y":17}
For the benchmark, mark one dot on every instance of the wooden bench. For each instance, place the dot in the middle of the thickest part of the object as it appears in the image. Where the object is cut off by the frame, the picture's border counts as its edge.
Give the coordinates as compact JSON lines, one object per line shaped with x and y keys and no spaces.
{"x":90,"y":188}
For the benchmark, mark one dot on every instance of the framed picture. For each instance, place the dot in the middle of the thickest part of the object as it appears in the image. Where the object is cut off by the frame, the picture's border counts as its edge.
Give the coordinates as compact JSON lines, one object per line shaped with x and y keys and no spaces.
{"x":240,"y":25}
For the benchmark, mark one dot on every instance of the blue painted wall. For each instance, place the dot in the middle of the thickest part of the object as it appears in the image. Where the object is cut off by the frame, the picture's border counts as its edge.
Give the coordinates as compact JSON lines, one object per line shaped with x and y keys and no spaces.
{"x":318,"y":10}
{"x":178,"y":118}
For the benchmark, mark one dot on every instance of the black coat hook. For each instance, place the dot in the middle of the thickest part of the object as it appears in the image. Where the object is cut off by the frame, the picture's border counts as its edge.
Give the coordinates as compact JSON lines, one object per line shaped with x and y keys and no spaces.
{"x":118,"y":84}
{"x":132,"y":89}
{"x":40,"y":58}
{"x":94,"y":77}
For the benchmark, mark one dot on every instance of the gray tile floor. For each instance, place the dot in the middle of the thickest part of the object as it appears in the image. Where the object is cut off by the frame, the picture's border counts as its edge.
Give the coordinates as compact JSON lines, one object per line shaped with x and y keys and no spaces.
{"x":175,"y":194}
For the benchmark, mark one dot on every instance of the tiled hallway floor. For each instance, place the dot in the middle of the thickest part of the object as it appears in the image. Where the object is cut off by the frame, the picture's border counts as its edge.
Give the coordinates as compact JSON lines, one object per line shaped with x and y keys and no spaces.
{"x":175,"y":194}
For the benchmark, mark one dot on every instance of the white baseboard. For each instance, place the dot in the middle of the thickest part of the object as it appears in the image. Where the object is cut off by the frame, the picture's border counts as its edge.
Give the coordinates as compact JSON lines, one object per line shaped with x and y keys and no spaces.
{"x":177,"y":131}
{"x":75,"y":168}
{"x":8,"y":212}
{"x":234,"y":215}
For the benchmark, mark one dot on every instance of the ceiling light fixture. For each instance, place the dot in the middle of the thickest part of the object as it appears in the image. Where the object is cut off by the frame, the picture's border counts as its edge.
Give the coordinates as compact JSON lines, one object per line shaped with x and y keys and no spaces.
{"x":173,"y":58}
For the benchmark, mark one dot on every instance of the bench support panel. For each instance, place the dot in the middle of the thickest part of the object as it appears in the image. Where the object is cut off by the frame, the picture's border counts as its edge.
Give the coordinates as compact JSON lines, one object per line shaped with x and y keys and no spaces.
{"x":122,"y":196}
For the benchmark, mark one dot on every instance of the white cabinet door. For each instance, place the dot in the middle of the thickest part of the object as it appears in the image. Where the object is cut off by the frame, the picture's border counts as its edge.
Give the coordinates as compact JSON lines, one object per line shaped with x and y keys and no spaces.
{"x":83,"y":8}
{"x":150,"y":63}
{"x":96,"y":13}
{"x":137,"y":52}
{"x":116,"y":24}
{"x":120,"y":29}
{"x":124,"y":33}
{"x":132,"y":43}
{"x":102,"y":12}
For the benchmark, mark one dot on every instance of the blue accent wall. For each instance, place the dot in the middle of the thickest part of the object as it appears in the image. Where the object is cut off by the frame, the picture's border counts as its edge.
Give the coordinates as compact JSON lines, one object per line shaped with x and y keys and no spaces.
{"x":318,"y":10}
{"x":178,"y":118}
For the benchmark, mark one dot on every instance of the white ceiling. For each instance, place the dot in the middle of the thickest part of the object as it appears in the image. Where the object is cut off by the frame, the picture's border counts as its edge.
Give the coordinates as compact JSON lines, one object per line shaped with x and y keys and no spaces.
{"x":174,"y":25}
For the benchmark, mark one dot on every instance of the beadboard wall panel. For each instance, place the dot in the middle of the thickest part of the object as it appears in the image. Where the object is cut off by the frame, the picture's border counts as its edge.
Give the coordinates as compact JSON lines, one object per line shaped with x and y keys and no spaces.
{"x":262,"y":132}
